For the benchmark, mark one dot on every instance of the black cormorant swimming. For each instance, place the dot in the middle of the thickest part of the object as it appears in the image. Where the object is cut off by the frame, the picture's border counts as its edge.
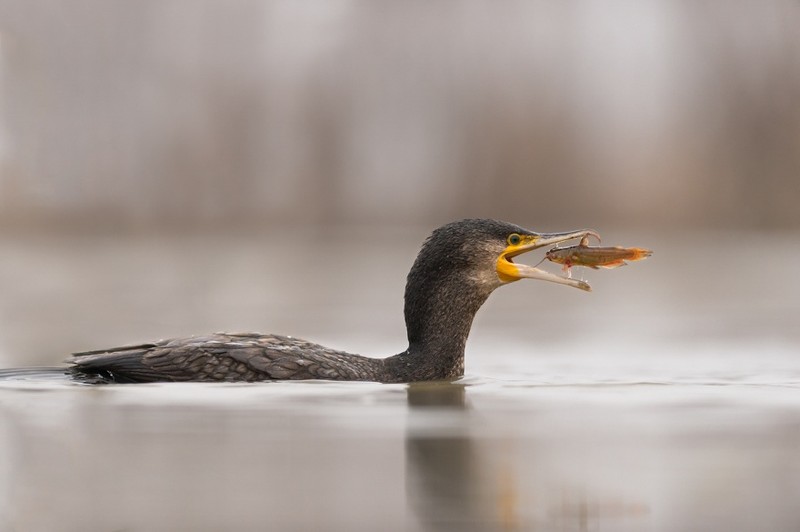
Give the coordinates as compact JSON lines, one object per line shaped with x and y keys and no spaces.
{"x":459,"y":265}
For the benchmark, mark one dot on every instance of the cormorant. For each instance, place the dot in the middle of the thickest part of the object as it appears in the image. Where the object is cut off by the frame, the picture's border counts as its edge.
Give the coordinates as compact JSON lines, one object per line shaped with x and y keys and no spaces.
{"x":459,"y":265}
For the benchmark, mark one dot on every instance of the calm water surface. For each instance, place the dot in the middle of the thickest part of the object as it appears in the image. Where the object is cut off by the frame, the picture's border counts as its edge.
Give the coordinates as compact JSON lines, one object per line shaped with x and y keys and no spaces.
{"x":668,"y":399}
{"x":479,"y":454}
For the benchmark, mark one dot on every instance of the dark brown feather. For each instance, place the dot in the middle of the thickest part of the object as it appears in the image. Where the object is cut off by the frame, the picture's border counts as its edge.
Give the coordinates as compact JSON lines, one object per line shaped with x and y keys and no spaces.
{"x":452,"y":276}
{"x":228,"y":357}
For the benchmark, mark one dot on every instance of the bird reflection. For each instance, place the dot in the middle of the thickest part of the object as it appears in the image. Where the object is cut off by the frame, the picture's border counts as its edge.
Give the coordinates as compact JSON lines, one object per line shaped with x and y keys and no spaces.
{"x":443,"y":465}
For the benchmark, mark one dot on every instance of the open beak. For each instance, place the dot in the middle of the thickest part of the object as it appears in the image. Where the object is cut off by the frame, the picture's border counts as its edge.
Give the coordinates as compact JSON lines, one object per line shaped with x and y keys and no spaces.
{"x":509,"y":271}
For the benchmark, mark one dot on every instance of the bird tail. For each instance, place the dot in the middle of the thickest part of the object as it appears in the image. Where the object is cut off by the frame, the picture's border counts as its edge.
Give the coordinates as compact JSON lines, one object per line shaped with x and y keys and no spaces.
{"x":121,"y":364}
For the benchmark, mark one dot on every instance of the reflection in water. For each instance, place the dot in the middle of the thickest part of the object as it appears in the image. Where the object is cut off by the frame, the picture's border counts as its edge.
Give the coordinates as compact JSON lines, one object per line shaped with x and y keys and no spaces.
{"x":442,"y":477}
{"x":448,"y":483}
{"x":462,"y":476}
{"x":359,"y":456}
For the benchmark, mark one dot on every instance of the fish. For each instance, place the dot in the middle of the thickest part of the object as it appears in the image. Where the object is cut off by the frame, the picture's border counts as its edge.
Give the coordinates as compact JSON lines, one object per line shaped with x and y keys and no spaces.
{"x":595,"y":256}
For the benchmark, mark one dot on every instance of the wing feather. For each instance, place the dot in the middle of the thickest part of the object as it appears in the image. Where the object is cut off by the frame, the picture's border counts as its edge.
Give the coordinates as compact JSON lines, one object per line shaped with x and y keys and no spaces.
{"x":226,"y":357}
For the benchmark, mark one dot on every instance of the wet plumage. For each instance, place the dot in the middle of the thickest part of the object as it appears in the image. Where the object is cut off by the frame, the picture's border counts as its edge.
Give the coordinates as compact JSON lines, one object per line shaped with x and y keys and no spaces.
{"x":244,"y":357}
{"x":458,"y":267}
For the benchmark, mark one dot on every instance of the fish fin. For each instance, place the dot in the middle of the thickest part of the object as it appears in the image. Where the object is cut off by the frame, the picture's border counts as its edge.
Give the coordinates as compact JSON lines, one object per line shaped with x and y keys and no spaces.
{"x":615,"y":264}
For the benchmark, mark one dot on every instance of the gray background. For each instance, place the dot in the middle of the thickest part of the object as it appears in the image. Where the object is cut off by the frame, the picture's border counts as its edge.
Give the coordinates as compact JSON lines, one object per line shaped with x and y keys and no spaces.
{"x":161,"y":114}
{"x":170,"y":168}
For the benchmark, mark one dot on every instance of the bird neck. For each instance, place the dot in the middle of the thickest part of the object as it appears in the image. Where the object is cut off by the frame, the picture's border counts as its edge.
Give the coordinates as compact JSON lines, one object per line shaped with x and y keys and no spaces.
{"x":439,"y":310}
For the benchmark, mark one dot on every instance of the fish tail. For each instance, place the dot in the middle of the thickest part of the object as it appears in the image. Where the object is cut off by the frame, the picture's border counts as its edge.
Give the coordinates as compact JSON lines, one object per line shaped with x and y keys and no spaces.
{"x":639,"y":253}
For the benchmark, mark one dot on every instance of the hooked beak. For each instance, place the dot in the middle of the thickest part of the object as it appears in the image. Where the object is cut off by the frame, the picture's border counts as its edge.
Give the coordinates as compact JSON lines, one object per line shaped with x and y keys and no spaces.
{"x":509,"y":271}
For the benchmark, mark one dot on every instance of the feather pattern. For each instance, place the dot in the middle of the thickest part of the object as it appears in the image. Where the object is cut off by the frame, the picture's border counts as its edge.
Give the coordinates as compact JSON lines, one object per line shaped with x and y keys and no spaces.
{"x":242,"y":357}
{"x":451,"y":278}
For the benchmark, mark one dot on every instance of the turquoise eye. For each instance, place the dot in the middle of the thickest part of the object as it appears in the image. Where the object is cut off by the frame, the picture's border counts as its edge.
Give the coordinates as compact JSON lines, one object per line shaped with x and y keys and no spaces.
{"x":514,"y":239}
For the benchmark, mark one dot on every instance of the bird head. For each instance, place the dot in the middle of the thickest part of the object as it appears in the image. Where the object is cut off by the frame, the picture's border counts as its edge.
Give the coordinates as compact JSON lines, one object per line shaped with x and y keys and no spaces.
{"x":483,"y":251}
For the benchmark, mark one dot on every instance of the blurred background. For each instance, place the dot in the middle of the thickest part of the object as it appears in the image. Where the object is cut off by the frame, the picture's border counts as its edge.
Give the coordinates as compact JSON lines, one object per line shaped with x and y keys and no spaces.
{"x":163,"y":114}
{"x":160,"y":159}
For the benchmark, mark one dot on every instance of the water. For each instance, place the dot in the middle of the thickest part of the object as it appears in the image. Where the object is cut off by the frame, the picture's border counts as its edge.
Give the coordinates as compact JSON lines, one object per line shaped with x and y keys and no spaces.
{"x":478,"y":454}
{"x":668,"y":399}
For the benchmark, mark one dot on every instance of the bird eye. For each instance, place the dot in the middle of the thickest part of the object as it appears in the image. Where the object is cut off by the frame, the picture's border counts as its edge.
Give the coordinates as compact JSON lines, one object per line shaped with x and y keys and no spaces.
{"x":514,"y":239}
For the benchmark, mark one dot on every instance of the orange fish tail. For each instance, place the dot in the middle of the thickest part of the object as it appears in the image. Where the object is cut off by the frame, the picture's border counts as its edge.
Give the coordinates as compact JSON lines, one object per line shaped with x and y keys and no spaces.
{"x":639,"y":253}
